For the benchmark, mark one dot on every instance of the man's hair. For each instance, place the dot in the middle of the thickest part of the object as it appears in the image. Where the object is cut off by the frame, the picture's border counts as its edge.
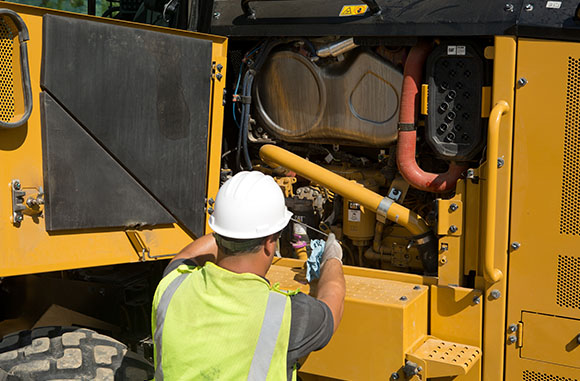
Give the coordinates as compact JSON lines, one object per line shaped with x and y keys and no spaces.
{"x":237,"y":246}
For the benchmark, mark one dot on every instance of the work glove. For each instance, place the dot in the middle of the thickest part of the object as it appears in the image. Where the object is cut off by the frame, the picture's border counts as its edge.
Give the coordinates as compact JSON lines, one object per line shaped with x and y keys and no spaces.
{"x":332,"y":249}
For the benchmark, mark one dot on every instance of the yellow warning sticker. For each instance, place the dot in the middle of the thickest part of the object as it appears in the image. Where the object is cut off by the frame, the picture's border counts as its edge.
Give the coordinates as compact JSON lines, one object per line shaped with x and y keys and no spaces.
{"x":353,"y":10}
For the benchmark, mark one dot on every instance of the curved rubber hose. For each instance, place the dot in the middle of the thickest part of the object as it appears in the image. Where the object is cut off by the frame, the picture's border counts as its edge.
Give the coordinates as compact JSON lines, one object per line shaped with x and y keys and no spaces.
{"x":407,"y":140}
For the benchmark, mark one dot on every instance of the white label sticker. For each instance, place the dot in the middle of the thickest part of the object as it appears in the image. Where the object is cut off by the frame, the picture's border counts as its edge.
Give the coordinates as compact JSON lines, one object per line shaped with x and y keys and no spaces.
{"x":554,"y":4}
{"x":354,"y":215}
{"x":451,"y":50}
{"x":461,"y":50}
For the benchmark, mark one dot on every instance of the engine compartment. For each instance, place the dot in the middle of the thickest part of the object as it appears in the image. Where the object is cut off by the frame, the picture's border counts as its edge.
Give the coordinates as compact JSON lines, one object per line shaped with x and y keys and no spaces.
{"x":403,"y":121}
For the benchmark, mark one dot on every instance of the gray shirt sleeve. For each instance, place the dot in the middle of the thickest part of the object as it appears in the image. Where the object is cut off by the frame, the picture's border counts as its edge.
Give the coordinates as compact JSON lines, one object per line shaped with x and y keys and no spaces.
{"x":311,"y":327}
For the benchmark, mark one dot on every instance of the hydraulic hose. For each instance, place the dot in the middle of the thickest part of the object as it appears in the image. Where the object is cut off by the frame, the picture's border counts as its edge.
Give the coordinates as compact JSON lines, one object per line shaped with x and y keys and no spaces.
{"x":384,"y":207}
{"x":407,"y":137}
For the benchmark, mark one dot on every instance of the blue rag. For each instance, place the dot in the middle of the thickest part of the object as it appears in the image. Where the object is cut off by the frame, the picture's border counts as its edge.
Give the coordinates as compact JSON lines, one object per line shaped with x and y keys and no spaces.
{"x":313,"y":262}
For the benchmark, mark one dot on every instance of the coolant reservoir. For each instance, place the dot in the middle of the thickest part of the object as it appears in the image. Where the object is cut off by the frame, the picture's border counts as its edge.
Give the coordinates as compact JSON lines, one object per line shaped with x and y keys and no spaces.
{"x":354,"y":101}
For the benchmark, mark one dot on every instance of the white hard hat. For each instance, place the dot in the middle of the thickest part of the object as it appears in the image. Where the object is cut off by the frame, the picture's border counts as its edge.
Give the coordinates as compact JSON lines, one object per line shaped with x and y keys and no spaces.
{"x":249,"y":205}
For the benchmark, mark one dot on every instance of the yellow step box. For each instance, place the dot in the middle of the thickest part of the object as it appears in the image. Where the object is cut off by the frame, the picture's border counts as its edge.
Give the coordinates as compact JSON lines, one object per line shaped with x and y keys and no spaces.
{"x":439,"y":358}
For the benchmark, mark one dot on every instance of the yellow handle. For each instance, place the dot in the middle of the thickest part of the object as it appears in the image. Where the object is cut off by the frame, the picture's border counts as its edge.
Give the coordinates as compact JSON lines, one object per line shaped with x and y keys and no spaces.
{"x":491,"y":273}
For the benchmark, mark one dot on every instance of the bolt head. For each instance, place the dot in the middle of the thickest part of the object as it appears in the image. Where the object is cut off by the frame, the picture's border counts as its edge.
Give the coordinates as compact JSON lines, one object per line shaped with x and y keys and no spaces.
{"x":453,"y":207}
{"x":500,"y":162}
{"x":476,"y":299}
{"x":216,"y":15}
{"x":578,"y":339}
{"x":512,"y":339}
{"x":512,"y":328}
{"x":18,"y":218}
{"x":508,"y":7}
{"x":210,"y":210}
{"x":219,"y":76}
{"x":17,"y":185}
{"x":395,"y":376}
{"x":515,"y":245}
{"x":220,"y":67}
{"x":495,"y":294}
{"x":529,"y":7}
{"x":403,"y":298}
{"x":453,"y":229}
{"x":417,"y":288}
{"x":522,"y":82}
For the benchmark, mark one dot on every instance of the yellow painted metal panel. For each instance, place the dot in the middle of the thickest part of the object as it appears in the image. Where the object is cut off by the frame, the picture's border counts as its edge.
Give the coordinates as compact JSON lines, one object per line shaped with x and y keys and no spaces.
{"x":29,"y":248}
{"x":551,"y":339}
{"x":495,"y":308}
{"x":377,"y":329}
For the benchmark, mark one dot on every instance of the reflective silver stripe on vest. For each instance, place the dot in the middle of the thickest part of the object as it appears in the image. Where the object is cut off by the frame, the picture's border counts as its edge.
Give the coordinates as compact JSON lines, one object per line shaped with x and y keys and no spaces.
{"x":268,"y":337}
{"x":160,"y":319}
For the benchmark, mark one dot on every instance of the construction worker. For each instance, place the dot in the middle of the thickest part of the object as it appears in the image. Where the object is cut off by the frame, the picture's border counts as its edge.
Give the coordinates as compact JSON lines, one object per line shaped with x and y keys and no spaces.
{"x":216,"y":316}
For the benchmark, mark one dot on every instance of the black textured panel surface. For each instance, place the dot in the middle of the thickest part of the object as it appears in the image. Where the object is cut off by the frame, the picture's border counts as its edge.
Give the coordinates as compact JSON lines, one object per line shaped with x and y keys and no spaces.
{"x":142,"y":95}
{"x":84,"y":187}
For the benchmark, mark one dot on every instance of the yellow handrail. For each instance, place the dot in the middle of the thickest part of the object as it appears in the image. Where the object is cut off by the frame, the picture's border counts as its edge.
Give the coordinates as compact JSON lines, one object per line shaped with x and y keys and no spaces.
{"x":491,"y":273}
{"x":276,"y":156}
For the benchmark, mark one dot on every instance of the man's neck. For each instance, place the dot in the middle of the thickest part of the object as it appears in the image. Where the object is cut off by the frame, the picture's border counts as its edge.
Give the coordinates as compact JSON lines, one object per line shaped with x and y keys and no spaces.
{"x":245,"y":263}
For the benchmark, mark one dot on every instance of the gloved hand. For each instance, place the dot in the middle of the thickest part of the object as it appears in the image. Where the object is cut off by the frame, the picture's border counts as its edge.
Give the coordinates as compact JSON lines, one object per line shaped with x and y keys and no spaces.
{"x":332,"y":249}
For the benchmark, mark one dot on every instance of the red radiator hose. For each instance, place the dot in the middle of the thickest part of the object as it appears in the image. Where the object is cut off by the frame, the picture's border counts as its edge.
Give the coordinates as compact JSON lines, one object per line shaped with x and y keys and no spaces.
{"x":407,"y":139}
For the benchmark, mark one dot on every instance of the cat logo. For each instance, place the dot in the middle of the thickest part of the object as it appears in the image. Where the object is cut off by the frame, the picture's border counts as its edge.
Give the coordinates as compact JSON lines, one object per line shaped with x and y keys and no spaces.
{"x":353,"y":10}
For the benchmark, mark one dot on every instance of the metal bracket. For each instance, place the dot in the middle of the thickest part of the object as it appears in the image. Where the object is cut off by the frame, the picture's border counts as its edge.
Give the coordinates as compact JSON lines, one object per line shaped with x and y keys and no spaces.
{"x":141,"y":247}
{"x":32,"y":206}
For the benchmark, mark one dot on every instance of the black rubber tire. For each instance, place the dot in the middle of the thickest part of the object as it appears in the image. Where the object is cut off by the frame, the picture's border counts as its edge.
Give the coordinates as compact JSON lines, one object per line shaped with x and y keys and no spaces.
{"x":68,"y":353}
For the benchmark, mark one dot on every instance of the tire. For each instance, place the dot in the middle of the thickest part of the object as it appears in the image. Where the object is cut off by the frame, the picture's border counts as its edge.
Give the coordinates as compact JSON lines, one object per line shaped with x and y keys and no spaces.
{"x":68,"y":353}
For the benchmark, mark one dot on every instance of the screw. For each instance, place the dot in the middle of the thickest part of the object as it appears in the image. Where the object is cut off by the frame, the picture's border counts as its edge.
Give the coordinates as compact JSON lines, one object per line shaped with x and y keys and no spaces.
{"x":500,"y":162}
{"x":495,"y":294}
{"x":219,"y":76}
{"x":529,"y":7}
{"x":417,"y":288}
{"x":512,"y":328}
{"x":453,"y":229}
{"x":395,"y":376}
{"x":515,"y":245}
{"x":476,"y":299}
{"x":216,"y":15}
{"x":220,"y":67}
{"x":453,"y":207}
{"x":403,"y":298}
{"x":512,"y":339}
{"x":522,"y":82}
{"x":508,"y":7}
{"x":17,"y":185}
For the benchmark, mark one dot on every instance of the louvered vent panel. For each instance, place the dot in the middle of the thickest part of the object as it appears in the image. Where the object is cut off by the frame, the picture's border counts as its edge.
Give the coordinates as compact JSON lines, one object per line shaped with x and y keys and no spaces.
{"x":568,"y":287}
{"x":6,"y":70}
{"x":537,"y":376}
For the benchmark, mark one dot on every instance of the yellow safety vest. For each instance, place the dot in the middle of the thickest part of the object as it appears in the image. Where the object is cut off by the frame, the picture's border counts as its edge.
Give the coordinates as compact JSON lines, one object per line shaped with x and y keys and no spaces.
{"x":212,"y":324}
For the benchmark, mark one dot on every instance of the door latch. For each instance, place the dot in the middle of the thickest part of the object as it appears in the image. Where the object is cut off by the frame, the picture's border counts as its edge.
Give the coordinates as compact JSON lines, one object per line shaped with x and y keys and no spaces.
{"x":33,"y":205}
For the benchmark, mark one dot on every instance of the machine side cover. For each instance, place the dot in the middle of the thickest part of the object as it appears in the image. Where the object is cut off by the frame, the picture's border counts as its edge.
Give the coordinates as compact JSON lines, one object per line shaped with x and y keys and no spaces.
{"x":144,"y":97}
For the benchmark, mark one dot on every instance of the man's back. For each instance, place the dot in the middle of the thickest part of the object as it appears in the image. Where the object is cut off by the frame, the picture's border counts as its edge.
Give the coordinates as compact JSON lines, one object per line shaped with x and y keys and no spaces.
{"x":212,"y":326}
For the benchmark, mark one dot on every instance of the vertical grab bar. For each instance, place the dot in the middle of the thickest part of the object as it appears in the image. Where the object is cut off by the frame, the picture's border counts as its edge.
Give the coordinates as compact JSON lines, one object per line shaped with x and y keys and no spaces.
{"x":490,"y":272}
